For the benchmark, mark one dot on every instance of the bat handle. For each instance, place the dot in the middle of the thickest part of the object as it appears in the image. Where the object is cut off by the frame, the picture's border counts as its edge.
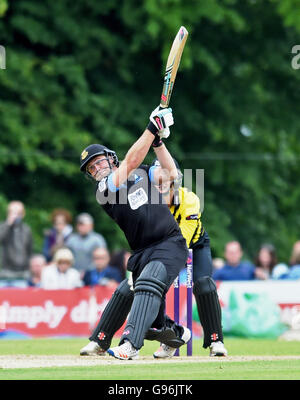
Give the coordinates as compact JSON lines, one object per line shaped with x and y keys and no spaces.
{"x":166,"y":133}
{"x":162,"y":107}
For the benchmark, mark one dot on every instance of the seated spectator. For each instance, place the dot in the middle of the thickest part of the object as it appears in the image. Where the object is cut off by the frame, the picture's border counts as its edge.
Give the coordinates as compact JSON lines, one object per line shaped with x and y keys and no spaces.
{"x":234,"y":269}
{"x":294,"y":260}
{"x":218,"y":263}
{"x":279,"y":271}
{"x":102,"y":273}
{"x":60,"y":274}
{"x":265,"y":261}
{"x":16,"y":241}
{"x":83,"y":242}
{"x":56,"y":236}
{"x":294,"y":270}
{"x":119,"y":260}
{"x":36,"y":264}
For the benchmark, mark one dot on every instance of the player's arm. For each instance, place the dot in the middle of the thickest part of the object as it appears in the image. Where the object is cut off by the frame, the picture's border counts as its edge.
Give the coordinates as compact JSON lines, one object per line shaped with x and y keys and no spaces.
{"x":133,"y":158}
{"x":167,"y":170}
{"x":159,"y":121}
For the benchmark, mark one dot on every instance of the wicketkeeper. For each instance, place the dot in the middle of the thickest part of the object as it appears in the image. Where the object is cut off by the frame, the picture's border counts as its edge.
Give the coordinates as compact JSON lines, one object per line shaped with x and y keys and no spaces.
{"x":185,"y":208}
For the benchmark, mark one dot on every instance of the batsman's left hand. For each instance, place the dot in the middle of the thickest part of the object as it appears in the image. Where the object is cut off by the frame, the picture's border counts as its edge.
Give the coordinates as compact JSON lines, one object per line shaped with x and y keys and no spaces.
{"x":160,"y":121}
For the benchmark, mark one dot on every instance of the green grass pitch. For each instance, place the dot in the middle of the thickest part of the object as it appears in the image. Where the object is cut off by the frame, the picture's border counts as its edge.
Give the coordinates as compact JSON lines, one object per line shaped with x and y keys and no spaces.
{"x":248,"y":359}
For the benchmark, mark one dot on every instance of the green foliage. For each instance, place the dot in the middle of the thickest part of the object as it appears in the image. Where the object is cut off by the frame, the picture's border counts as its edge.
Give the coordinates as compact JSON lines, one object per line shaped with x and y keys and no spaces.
{"x":86,"y":72}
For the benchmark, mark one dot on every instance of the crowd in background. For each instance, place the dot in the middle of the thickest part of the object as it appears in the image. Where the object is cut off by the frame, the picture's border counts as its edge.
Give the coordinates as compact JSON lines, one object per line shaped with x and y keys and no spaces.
{"x":264,"y":266}
{"x":75,"y":255}
{"x":71,"y":255}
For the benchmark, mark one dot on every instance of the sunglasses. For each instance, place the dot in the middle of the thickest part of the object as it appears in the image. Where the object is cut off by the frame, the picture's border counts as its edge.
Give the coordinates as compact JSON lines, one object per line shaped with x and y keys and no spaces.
{"x":97,"y":164}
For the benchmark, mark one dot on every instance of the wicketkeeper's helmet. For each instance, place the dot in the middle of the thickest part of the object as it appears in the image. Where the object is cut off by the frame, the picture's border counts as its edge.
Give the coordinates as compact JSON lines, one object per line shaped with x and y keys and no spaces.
{"x":177,"y":182}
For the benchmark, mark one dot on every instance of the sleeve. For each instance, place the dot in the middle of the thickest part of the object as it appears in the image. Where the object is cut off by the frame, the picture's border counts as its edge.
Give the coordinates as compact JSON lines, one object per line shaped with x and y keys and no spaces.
{"x":217,"y":275}
{"x":45,"y":248}
{"x":87,"y":278}
{"x":110,"y":184}
{"x":115,"y":274}
{"x":4,"y":228}
{"x":77,"y":282}
{"x":190,"y":216}
{"x":47,"y":278}
{"x":151,"y":173}
{"x":30,"y":242}
{"x":100,"y":242}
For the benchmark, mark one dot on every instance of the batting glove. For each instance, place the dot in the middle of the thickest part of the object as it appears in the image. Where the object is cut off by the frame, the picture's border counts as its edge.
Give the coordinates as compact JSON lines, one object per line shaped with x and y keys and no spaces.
{"x":160,"y":120}
{"x":157,"y":142}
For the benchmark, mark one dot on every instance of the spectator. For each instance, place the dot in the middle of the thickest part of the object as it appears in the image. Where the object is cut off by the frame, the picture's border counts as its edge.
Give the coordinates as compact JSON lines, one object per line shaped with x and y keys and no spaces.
{"x":102,"y":272}
{"x":266,"y":264}
{"x":84,"y":241}
{"x":294,"y":260}
{"x":234,"y":269}
{"x":279,"y":271}
{"x":15,"y":240}
{"x":294,"y":271}
{"x":60,"y":274}
{"x":56,"y":236}
{"x":265,"y":261}
{"x":37,"y":263}
{"x":119,"y":260}
{"x":218,"y":263}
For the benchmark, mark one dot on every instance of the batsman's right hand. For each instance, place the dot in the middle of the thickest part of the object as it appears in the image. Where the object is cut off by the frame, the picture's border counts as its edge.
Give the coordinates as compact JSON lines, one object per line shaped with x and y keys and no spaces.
{"x":160,"y":120}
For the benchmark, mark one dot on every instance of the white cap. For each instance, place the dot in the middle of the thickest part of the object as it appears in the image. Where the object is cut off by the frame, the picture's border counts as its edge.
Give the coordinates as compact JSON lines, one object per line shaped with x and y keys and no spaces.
{"x":64,"y":254}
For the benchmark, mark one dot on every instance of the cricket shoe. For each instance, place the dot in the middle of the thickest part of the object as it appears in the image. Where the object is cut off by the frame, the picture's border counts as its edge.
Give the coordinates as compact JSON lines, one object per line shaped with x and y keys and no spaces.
{"x":217,"y":349}
{"x":92,"y":349}
{"x":166,"y":351}
{"x":124,"y":352}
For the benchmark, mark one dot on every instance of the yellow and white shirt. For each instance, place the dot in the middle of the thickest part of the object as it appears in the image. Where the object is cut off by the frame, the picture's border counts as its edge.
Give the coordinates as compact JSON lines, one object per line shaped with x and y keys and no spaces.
{"x":188,"y":216}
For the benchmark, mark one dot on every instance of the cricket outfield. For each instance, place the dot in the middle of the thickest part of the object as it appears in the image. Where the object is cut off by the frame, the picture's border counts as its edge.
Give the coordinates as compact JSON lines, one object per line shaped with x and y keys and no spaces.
{"x":58,"y":359}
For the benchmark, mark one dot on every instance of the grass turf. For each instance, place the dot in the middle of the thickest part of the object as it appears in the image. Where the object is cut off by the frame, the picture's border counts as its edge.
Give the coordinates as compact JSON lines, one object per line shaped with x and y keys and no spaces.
{"x":287,"y":369}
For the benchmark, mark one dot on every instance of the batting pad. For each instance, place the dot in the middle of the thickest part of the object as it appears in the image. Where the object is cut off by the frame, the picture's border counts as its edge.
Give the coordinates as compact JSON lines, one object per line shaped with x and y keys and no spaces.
{"x":114,"y":315}
{"x":209,"y":310}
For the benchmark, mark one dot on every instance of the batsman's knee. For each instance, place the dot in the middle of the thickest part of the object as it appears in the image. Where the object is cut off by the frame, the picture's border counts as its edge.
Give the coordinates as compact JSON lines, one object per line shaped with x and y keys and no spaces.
{"x":125,"y":289}
{"x":204,"y":285}
{"x":153,"y":279}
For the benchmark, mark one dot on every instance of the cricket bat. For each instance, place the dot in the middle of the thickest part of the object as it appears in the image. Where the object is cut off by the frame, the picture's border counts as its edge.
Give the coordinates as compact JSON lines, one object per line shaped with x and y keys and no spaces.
{"x":172,"y":66}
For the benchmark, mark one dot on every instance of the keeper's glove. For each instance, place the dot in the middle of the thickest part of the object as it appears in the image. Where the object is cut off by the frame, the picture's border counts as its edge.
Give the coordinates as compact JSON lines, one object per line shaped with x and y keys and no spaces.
{"x":160,"y":120}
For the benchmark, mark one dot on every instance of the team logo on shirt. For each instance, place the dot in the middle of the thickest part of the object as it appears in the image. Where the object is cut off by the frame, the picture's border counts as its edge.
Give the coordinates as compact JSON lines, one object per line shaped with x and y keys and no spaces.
{"x":193,"y":216}
{"x":137,"y":178}
{"x":137,"y":198}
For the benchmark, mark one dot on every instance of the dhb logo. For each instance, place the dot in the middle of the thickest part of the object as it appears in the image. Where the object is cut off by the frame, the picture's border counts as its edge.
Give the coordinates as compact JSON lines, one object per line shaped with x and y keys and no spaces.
{"x":296,"y":59}
{"x":2,"y":58}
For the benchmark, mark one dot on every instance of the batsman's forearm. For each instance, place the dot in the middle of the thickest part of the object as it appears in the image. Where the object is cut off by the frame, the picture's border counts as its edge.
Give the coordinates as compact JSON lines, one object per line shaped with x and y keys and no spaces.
{"x":134,"y":157}
{"x":166,"y":161}
{"x":138,"y":151}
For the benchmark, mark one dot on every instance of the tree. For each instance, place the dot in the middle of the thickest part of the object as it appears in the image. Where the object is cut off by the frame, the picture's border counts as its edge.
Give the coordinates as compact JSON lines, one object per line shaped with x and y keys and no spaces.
{"x":85,"y":72}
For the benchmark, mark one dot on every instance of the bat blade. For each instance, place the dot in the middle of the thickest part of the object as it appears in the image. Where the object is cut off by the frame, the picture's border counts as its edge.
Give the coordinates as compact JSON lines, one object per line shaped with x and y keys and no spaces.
{"x":172,"y":66}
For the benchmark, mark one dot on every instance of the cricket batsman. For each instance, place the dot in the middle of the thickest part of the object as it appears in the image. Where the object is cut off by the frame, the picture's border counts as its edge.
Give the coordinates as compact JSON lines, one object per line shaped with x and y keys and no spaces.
{"x":127,"y":194}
